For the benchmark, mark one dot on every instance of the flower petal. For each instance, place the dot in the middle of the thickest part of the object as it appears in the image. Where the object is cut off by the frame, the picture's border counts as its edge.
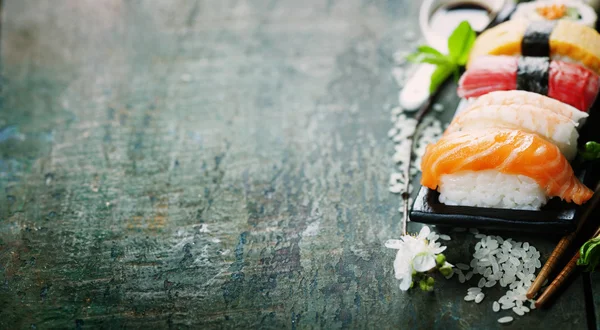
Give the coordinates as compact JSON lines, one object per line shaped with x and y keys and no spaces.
{"x":439,"y":250}
{"x":402,"y":265}
{"x":405,"y":283}
{"x":424,"y":233}
{"x":394,"y":244}
{"x":423,"y":262}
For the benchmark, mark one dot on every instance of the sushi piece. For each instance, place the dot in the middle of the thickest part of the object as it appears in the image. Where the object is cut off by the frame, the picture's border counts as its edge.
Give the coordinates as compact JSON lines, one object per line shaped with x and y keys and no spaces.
{"x":555,"y":128}
{"x":555,"y":39}
{"x":523,"y":97}
{"x":567,"y":82}
{"x":499,"y":168}
{"x":552,"y":10}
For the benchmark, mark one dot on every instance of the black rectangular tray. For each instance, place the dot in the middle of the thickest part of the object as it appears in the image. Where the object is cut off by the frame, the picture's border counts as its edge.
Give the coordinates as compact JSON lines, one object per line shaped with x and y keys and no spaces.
{"x":556,"y":217}
{"x":428,"y":209}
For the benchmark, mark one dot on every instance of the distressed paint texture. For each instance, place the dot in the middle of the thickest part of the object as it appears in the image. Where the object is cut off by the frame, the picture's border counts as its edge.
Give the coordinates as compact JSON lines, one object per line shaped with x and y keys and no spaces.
{"x":211,"y":164}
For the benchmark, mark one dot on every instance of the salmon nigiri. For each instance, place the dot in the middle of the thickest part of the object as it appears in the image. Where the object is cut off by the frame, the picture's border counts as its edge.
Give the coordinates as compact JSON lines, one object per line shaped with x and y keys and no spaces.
{"x":522,"y":157}
{"x":556,"y":128}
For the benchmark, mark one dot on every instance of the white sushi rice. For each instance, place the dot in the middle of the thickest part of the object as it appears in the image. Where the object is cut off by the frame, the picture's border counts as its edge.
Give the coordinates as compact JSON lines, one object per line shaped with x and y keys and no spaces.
{"x":508,"y":263}
{"x":491,"y":188}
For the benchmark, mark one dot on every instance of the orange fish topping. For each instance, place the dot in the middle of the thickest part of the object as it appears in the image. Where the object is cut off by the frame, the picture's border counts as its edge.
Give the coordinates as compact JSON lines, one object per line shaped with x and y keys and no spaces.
{"x":507,"y":151}
{"x":552,"y":12}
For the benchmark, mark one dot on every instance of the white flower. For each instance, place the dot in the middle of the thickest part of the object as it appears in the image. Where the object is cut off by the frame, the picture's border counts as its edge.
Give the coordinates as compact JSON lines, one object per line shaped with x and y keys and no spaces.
{"x":415,"y":254}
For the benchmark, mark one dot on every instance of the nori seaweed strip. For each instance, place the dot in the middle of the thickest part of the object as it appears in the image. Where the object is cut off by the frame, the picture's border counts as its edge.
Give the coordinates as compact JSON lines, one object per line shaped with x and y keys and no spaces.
{"x":532,"y":74}
{"x":536,"y":40}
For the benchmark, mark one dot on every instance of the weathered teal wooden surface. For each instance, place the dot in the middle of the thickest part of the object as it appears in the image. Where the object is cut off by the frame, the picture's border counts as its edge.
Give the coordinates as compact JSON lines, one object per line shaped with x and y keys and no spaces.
{"x":211,"y":164}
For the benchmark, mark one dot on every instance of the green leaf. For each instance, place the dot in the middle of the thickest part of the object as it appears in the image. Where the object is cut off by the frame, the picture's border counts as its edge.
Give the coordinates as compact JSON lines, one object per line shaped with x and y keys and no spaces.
{"x":430,"y":58}
{"x":592,"y":151}
{"x":441,"y":73}
{"x":429,"y":50}
{"x":460,"y":43}
{"x":589,"y":254}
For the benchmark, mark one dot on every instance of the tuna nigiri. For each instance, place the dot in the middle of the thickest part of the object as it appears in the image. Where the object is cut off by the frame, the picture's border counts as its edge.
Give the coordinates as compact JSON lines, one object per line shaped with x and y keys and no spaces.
{"x":473,"y":163}
{"x":566,"y":82}
{"x":561,"y":39}
{"x":523,"y":97}
{"x":556,"y":128}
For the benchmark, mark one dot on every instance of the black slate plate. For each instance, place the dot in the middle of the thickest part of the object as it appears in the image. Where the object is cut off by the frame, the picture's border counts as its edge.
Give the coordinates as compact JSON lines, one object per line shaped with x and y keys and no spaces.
{"x":556,"y":217}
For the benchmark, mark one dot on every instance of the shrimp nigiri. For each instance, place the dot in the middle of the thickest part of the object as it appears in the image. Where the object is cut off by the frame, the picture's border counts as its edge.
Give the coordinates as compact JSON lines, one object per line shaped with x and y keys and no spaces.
{"x":556,"y":128}
{"x":523,"y":97}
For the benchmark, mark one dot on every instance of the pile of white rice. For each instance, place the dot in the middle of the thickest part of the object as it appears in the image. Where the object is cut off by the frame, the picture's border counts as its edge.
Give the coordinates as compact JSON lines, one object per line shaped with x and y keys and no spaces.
{"x":501,"y":262}
{"x":429,"y":131}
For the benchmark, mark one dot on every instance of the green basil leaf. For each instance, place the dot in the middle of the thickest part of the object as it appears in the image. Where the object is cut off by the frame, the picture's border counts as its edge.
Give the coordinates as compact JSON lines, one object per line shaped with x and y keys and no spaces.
{"x":428,"y":58}
{"x":592,"y":151}
{"x":460,"y":43}
{"x":589,"y":254}
{"x":429,"y":50}
{"x":441,"y":73}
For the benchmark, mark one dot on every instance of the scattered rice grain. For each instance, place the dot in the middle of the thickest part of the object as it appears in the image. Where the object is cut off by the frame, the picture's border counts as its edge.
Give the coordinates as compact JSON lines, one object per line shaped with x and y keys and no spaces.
{"x":462,"y":266}
{"x":445,"y":237}
{"x":481,"y":283}
{"x":518,"y":311}
{"x":479,"y":297}
{"x":490,"y":284}
{"x":508,"y":306}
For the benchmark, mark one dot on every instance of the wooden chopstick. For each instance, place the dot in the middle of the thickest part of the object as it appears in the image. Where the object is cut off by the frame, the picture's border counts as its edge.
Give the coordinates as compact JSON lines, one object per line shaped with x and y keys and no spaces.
{"x":562,"y":245}
{"x":549,"y":265}
{"x":560,"y":279}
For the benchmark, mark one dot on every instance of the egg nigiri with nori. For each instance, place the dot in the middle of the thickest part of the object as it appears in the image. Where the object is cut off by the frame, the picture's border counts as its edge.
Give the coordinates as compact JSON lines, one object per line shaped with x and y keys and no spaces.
{"x":560,"y":40}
